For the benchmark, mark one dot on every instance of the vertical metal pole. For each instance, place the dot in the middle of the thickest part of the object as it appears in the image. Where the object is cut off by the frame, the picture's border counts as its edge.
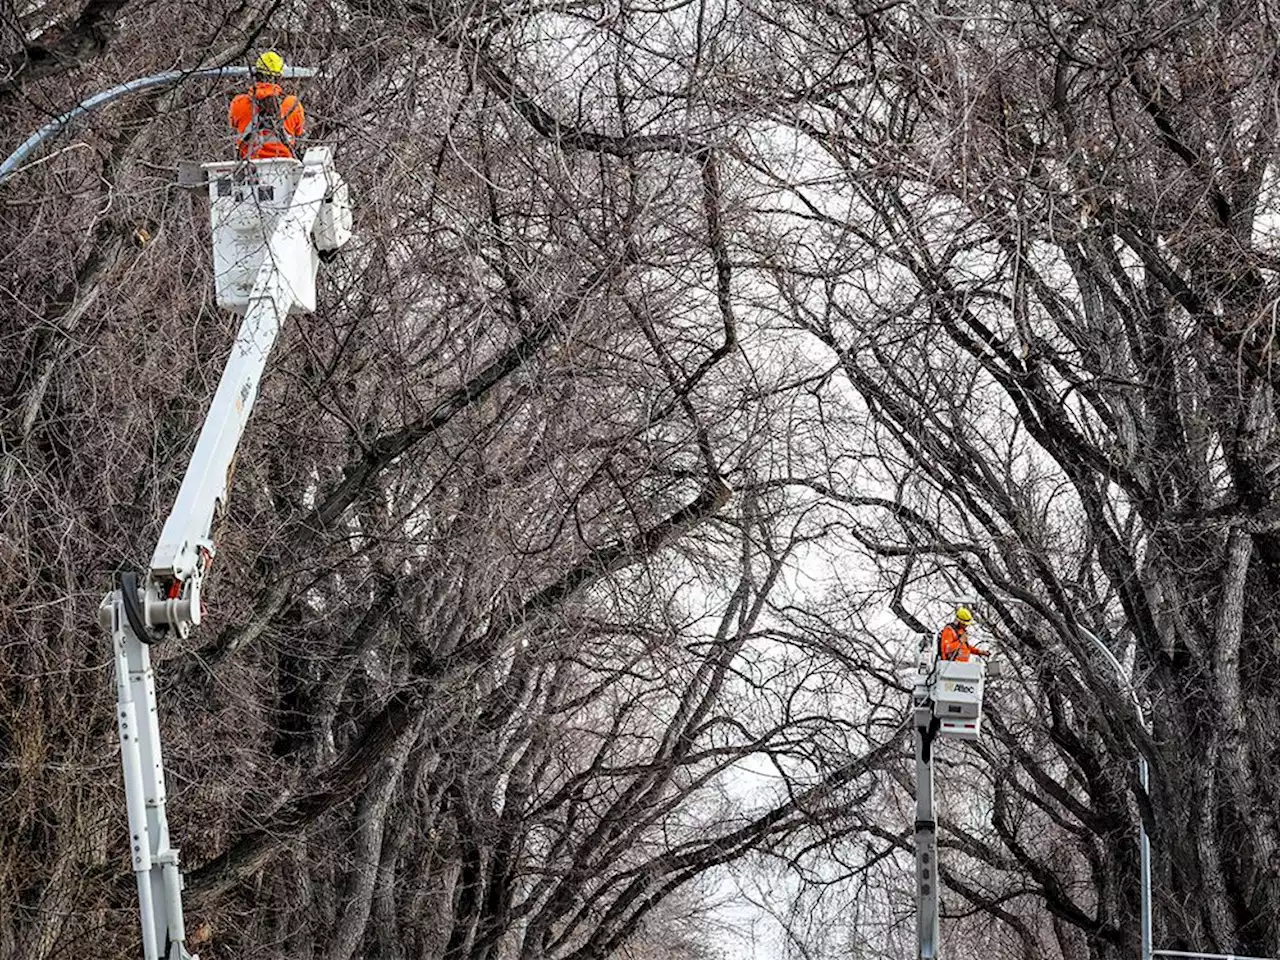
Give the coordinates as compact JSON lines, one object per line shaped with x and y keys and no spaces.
{"x":1144,"y":853}
{"x":1144,"y":841}
{"x":927,"y":879}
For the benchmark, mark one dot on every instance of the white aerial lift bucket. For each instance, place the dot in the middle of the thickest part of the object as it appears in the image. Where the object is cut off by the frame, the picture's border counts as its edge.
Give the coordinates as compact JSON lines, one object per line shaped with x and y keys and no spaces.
{"x":957,"y":698}
{"x":248,"y":202}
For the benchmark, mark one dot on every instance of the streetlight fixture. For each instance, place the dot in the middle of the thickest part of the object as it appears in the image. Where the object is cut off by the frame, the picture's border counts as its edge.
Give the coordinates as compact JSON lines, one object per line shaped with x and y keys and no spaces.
{"x":1144,"y":841}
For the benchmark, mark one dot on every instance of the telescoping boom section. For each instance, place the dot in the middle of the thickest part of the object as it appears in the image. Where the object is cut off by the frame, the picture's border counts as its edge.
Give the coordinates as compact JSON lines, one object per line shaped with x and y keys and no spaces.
{"x":271,"y":219}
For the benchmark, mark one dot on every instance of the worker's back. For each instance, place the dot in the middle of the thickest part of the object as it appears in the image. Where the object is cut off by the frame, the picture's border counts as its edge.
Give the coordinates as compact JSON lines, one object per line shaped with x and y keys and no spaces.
{"x":267,"y":120}
{"x":953,"y":644}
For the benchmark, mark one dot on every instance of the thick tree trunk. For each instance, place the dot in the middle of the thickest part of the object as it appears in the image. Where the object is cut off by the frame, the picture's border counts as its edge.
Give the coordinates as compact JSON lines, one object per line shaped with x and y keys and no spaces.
{"x":366,"y":849}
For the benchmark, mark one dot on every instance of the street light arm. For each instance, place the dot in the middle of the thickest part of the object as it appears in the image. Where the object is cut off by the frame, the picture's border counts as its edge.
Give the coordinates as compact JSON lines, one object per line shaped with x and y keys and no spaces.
{"x":1144,"y":839}
{"x":55,"y":126}
{"x":1126,"y":678}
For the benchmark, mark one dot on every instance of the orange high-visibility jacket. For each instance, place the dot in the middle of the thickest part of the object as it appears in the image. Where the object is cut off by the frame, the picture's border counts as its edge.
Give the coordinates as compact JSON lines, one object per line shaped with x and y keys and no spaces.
{"x":953,"y":644}
{"x":265,"y":132}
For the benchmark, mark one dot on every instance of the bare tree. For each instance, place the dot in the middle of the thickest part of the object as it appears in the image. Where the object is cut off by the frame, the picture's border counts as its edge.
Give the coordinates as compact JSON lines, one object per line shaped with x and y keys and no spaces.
{"x":677,"y":351}
{"x":1062,"y":350}
{"x":455,"y":700}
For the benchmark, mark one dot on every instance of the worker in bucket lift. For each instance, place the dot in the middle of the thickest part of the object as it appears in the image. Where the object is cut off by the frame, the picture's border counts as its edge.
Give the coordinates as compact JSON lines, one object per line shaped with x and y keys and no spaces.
{"x":953,"y":642}
{"x":268,"y":121}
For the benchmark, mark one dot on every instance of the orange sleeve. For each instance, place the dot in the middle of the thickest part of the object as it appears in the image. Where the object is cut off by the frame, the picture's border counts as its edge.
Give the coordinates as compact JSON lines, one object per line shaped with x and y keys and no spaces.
{"x":295,"y":120}
{"x":240,"y":113}
{"x":947,"y":641}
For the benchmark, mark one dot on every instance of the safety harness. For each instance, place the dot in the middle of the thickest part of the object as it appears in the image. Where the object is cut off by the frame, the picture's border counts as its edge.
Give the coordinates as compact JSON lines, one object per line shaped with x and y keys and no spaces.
{"x":266,"y":123}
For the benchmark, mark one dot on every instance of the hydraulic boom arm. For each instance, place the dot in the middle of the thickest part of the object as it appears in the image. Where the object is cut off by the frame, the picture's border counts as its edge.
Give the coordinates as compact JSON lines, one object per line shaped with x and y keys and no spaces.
{"x":264,"y":217}
{"x":926,"y":731}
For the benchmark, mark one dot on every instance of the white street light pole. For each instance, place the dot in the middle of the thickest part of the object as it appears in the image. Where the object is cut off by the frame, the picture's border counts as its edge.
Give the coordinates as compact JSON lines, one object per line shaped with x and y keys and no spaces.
{"x":1144,"y":841}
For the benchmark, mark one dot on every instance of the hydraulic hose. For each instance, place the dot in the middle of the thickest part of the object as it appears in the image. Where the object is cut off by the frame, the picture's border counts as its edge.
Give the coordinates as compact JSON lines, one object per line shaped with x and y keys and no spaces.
{"x":133,"y":611}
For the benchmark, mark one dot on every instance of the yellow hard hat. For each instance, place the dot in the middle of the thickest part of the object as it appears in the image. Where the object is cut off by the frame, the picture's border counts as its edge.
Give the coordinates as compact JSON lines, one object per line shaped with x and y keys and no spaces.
{"x":964,"y":616}
{"x":270,"y":63}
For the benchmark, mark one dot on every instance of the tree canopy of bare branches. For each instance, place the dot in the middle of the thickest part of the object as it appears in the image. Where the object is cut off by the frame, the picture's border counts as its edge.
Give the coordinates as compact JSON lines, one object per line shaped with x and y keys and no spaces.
{"x":688,"y":362}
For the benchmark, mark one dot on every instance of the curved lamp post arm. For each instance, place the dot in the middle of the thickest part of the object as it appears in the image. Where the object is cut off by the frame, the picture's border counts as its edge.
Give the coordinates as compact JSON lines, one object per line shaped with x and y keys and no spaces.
{"x":1144,"y":840}
{"x":1144,"y":848}
{"x":1120,"y":672}
{"x":60,"y":123}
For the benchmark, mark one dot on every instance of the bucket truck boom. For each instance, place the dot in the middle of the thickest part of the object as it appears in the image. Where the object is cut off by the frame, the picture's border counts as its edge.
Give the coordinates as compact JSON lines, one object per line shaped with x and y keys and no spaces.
{"x":269,"y":218}
{"x":926,"y":730}
{"x":946,"y":700}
